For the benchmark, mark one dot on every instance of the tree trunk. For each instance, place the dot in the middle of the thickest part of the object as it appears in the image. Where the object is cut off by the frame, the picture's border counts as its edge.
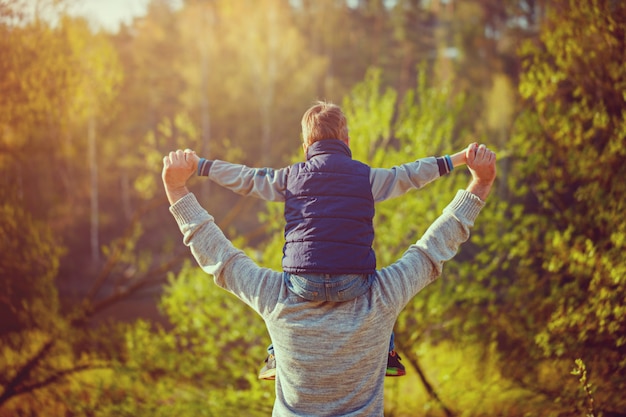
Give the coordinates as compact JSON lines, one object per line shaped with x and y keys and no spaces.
{"x":267,"y":96}
{"x":93,"y":169}
{"x":205,"y":116}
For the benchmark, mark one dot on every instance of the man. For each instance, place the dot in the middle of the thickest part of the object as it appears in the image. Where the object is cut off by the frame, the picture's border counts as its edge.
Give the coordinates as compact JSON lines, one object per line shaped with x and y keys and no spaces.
{"x":324,"y":345}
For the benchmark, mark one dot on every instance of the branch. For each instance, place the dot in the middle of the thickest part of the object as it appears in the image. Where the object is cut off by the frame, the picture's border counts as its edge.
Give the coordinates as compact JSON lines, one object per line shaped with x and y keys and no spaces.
{"x":427,"y":385}
{"x":113,"y":259}
{"x":11,"y":388}
{"x":146,"y":279}
{"x":92,"y":308}
{"x":57,"y":376}
{"x":241,"y":205}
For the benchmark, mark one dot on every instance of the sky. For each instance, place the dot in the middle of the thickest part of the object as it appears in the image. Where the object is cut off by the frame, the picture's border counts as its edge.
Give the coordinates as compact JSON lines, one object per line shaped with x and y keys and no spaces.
{"x":105,"y":14}
{"x":108,"y":14}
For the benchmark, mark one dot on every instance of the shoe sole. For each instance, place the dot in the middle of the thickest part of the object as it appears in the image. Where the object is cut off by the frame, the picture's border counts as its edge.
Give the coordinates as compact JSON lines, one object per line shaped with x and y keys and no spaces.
{"x":395,"y":372}
{"x":268,"y":375}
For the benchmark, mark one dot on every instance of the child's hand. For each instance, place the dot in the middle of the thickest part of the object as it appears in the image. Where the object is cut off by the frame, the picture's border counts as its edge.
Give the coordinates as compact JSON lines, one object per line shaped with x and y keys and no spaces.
{"x":470,"y":150}
{"x":191,"y":156}
{"x":460,"y":158}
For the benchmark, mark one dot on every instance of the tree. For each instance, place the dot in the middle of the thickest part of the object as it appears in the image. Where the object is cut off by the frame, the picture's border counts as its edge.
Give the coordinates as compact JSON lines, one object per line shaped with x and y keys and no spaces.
{"x":570,"y":147}
{"x":57,"y":79}
{"x":205,"y":363}
{"x":413,"y":30}
{"x":264,"y":74}
{"x":90,"y":101}
{"x":30,"y":302}
{"x":548,"y":281}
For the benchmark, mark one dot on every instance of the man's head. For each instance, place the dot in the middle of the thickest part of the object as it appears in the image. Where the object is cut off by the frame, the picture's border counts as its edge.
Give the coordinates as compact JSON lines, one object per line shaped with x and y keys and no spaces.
{"x":324,"y":121}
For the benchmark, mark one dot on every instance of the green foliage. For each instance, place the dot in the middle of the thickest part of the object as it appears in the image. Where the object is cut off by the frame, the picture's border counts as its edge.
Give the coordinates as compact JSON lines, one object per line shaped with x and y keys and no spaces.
{"x":95,"y":77}
{"x":561,"y":260}
{"x":384,"y":133}
{"x":30,"y":302}
{"x":576,"y":90}
{"x":177,"y":132}
{"x":205,"y":363}
{"x":274,"y":220}
{"x":370,"y":113}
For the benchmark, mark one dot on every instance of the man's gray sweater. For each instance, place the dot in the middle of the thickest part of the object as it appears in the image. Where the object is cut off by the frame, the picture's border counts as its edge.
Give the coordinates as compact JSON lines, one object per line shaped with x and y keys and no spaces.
{"x":325,"y":350}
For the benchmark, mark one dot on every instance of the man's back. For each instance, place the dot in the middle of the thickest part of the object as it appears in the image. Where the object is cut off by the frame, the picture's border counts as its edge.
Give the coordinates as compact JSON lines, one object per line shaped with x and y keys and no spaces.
{"x":333,"y":356}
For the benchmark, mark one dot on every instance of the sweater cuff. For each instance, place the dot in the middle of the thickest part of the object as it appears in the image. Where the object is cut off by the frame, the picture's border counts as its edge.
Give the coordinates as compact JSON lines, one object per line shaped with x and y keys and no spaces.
{"x":465,"y":206}
{"x":187,"y":210}
{"x":444,"y":163}
{"x":204,"y":166}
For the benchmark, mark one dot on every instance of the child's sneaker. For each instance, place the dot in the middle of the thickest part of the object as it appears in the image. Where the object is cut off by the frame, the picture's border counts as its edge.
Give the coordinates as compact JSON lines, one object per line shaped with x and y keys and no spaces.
{"x":394,"y":367}
{"x":269,"y":369}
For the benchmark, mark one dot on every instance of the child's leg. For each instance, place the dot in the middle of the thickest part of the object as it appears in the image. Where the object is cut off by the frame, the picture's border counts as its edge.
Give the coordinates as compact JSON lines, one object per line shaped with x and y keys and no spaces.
{"x":329,"y":287}
{"x":269,"y":369}
{"x":394,"y":367}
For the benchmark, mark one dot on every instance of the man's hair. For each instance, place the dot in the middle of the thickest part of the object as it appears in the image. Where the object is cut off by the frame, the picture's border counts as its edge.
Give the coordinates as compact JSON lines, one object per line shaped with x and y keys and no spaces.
{"x":324,"y":121}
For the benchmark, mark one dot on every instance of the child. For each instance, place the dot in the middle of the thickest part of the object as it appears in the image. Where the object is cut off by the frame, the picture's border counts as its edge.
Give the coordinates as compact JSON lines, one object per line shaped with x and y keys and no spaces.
{"x":329,"y":209}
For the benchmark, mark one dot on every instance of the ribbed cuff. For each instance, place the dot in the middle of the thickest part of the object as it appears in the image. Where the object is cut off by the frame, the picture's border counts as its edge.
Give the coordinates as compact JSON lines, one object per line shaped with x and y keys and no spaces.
{"x":204,"y":166}
{"x":444,"y":163}
{"x":187,"y":210}
{"x":465,"y":205}
{"x":449,"y":162}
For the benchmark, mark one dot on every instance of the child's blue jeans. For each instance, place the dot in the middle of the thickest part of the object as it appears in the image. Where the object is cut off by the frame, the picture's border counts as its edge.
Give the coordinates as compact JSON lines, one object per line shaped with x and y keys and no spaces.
{"x":328,"y":287}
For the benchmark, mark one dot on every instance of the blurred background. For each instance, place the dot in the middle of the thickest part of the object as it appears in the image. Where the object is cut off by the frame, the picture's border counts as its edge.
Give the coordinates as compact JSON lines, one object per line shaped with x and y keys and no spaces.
{"x":103,"y":311}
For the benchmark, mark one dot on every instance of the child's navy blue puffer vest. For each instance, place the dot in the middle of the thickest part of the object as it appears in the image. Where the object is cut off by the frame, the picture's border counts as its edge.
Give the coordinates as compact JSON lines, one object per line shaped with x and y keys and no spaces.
{"x":329,"y":210}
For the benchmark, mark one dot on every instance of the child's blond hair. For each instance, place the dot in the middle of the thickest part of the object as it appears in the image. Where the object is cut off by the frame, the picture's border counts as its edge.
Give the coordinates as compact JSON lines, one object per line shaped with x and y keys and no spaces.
{"x":324,"y":121}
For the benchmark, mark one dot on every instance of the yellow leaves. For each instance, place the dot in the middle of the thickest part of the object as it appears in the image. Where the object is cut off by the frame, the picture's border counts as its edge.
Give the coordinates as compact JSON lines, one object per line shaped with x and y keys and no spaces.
{"x":95,"y":69}
{"x":600,"y":119}
{"x":501,"y":103}
{"x":145,"y":186}
{"x":618,"y":239}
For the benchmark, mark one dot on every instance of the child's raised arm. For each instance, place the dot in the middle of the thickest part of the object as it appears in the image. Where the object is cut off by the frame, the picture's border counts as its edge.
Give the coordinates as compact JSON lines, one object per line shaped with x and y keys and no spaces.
{"x":264,"y":183}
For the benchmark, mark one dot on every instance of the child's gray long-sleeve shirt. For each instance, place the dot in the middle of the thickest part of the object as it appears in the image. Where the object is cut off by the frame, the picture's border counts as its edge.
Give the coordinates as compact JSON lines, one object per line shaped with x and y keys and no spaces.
{"x":270,"y":184}
{"x":326,"y":348}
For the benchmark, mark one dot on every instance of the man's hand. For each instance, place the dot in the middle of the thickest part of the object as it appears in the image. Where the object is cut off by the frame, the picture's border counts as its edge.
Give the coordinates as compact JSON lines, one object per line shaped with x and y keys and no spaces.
{"x":482,"y":164}
{"x":178,"y":167}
